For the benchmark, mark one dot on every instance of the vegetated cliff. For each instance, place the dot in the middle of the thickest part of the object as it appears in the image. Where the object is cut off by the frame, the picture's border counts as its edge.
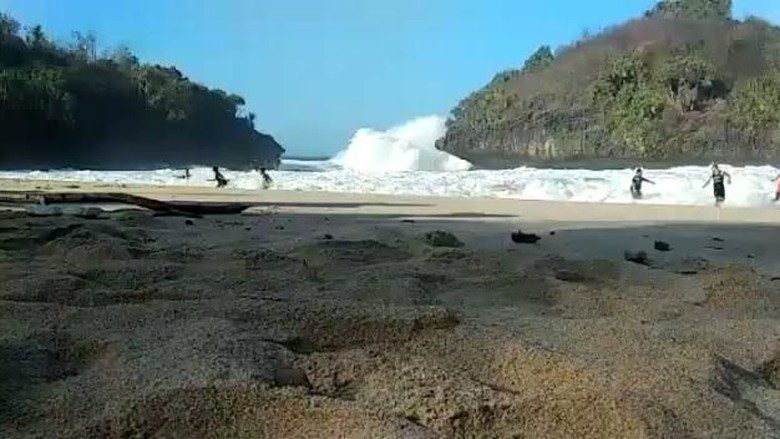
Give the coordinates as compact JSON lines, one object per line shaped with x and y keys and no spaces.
{"x":68,"y":107}
{"x":685,"y":81}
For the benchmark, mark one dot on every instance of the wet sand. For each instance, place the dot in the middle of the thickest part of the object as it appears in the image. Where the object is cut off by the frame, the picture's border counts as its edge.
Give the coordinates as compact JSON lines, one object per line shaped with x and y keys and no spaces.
{"x":327,"y":315}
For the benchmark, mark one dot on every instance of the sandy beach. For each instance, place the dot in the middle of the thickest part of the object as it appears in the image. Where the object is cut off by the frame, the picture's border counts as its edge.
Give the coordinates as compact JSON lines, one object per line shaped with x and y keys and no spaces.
{"x":371,"y":316}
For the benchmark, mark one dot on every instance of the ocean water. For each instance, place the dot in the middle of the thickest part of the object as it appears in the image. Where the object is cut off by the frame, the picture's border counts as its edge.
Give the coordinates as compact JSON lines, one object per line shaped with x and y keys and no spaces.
{"x":403,"y":161}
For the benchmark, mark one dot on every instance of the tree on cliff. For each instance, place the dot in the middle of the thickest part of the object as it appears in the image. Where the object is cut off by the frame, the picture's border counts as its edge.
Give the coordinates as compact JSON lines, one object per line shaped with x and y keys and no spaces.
{"x":69,"y":106}
{"x":540,"y":59}
{"x":685,"y":81}
{"x":692,"y":9}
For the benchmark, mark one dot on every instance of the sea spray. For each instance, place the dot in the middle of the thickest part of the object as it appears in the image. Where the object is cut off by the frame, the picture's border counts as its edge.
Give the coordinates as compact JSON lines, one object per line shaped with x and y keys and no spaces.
{"x":407,"y":147}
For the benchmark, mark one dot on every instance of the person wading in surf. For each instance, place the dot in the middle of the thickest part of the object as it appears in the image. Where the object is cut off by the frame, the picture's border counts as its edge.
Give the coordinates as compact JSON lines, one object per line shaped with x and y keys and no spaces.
{"x":718,"y":187}
{"x":267,"y":180}
{"x":218,"y":177}
{"x":636,"y":183}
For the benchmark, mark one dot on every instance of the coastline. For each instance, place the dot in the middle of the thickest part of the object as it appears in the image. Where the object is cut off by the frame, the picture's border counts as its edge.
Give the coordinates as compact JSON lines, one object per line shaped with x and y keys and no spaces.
{"x":421,"y":206}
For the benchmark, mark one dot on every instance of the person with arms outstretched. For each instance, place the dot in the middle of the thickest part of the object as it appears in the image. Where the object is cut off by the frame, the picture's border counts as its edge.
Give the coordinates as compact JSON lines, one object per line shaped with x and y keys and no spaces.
{"x":718,"y":186}
{"x":636,"y":183}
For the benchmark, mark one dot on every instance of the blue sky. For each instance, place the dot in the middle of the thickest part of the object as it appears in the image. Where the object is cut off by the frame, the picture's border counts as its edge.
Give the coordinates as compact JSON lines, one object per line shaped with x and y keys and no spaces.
{"x":314,"y":71}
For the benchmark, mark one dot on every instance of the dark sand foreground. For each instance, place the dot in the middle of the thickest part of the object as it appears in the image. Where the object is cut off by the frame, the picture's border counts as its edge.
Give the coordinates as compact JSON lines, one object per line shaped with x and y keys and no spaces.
{"x":311,"y":323}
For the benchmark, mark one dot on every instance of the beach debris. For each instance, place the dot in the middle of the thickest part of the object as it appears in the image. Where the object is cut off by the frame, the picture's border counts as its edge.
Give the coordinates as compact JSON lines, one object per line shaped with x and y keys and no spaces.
{"x":327,"y":236}
{"x":717,"y":239}
{"x":190,"y":209}
{"x":687,"y":271}
{"x":279,"y":227}
{"x":41,"y":210}
{"x":442,"y":238}
{"x":714,"y":247}
{"x":82,"y":212}
{"x":639,"y":257}
{"x":189,"y":222}
{"x":552,"y":232}
{"x":408,"y":221}
{"x":662,"y":246}
{"x":525,"y":238}
{"x":751,"y":256}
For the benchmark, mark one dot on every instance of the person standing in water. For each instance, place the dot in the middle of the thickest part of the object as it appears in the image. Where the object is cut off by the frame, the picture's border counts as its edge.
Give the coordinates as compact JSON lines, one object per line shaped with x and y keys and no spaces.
{"x":636,"y":183}
{"x":719,"y":188}
{"x":267,"y":180}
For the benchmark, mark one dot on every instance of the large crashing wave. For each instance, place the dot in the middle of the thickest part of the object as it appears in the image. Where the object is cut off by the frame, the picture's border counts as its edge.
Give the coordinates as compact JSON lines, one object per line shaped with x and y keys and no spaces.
{"x":407,"y":147}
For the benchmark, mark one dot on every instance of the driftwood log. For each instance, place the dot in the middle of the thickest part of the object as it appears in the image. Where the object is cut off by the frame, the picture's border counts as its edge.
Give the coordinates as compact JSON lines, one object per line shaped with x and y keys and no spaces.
{"x":175,"y":208}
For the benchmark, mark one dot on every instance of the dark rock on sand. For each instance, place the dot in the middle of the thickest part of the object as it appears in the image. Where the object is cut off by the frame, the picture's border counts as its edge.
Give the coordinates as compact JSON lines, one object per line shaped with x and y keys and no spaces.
{"x":327,"y":237}
{"x":291,"y":377}
{"x":639,"y":257}
{"x":441,"y":238}
{"x":662,"y":246}
{"x":188,"y":222}
{"x":525,"y":238}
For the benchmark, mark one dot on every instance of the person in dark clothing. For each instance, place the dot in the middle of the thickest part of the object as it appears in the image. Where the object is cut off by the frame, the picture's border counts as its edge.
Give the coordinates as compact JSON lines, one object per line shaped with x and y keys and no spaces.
{"x":717,"y":178}
{"x":219,"y":178}
{"x":186,"y":175}
{"x":636,"y":183}
{"x":267,"y":180}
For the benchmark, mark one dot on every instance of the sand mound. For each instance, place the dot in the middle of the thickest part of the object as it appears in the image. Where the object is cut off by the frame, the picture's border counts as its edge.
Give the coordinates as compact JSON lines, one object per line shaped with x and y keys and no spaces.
{"x":738,"y":291}
{"x":325,"y":330}
{"x":246,"y":413}
{"x":94,"y":242}
{"x":40,"y":359}
{"x":46,"y":286}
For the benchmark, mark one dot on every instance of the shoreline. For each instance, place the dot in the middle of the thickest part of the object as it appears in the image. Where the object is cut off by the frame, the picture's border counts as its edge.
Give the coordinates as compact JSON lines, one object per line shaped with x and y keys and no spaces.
{"x":422,"y":206}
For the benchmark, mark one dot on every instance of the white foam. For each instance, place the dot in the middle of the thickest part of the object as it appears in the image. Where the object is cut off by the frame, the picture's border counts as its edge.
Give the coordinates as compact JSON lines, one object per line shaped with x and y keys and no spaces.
{"x":408,"y":147}
{"x":404,"y":161}
{"x":752,"y":185}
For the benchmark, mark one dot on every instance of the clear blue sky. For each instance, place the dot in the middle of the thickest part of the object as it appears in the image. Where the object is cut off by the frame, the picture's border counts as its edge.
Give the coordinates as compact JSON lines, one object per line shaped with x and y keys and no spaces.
{"x":316,"y":70}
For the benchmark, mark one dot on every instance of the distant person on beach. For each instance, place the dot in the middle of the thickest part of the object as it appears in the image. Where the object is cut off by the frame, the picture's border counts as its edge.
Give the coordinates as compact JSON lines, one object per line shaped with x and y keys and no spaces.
{"x":777,"y":188}
{"x":267,"y":180}
{"x":636,"y":183}
{"x":186,"y":175}
{"x":719,"y":188}
{"x":219,"y":178}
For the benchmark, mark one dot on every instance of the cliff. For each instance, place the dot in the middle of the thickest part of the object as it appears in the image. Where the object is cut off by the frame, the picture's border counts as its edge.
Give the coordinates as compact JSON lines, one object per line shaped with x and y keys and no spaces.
{"x":685,"y":81}
{"x":68,"y":107}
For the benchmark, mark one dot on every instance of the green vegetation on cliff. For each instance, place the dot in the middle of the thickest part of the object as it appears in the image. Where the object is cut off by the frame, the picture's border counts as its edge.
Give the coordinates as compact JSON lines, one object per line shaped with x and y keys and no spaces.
{"x":686,"y":81}
{"x":69,"y":107}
